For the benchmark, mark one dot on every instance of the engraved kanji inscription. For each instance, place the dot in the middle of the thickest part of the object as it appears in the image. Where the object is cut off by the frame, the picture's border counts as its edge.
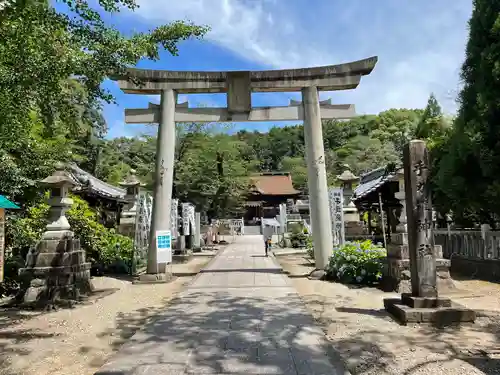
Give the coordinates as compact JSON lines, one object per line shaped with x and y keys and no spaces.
{"x":423,"y":225}
{"x":162,"y":171}
{"x":419,"y":168}
{"x":424,"y":250}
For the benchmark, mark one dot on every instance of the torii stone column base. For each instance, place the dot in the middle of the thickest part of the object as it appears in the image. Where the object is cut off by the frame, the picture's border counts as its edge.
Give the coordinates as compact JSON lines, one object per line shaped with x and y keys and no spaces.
{"x":154,"y":278}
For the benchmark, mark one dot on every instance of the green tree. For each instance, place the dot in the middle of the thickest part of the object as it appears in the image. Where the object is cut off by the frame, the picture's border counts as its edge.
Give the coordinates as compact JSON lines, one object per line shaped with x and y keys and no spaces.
{"x":432,"y":123}
{"x":52,"y":64}
{"x":469,"y":171}
{"x":363,"y":153}
{"x":297,"y":167}
{"x":211,"y":174}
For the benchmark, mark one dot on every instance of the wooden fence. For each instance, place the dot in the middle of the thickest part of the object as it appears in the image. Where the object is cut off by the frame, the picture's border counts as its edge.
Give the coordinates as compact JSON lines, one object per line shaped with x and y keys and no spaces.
{"x":469,"y":244}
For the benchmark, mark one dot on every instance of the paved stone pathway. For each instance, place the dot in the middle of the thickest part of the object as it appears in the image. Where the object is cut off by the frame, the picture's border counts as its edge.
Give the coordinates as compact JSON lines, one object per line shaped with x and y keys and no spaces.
{"x":240,"y":315}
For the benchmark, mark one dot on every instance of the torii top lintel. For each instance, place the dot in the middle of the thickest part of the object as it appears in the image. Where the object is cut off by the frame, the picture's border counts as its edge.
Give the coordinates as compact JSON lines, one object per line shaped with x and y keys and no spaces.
{"x":326,"y":78}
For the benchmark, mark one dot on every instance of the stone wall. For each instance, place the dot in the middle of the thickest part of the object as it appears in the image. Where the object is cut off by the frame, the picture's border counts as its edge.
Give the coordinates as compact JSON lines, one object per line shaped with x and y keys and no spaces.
{"x":483,"y":269}
{"x":472,"y":253}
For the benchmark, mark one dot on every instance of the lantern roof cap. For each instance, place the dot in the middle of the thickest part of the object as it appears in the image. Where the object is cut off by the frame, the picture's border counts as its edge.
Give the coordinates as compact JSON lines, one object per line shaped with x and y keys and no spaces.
{"x":60,"y":177}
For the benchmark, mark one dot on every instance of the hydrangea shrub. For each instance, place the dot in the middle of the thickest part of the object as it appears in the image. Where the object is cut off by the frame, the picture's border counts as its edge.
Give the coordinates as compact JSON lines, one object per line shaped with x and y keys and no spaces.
{"x":357,"y":263}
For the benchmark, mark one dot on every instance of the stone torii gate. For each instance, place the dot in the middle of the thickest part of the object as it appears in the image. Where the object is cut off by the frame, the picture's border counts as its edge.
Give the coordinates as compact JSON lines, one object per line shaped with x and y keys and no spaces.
{"x":239,"y":86}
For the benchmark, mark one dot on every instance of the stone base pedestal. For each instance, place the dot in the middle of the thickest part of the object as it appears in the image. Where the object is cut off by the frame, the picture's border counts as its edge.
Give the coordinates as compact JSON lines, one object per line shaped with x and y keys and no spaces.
{"x":317,"y":275}
{"x":154,"y":278}
{"x":182,"y":257}
{"x":56,"y":272}
{"x":436,"y":311}
{"x":180,"y":244}
{"x":127,"y":226}
{"x":397,"y":275}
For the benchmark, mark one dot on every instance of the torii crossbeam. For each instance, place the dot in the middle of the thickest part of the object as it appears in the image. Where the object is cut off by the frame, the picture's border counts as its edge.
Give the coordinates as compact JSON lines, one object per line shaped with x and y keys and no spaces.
{"x":183,"y":113}
{"x":239,"y":86}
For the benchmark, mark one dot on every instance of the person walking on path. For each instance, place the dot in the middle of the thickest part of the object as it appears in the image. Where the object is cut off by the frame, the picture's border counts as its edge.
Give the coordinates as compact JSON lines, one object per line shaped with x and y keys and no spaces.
{"x":268,"y":235}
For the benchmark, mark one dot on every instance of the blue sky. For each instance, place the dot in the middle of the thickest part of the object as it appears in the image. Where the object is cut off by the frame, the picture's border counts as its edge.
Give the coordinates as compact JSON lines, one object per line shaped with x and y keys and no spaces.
{"x":420,"y":45}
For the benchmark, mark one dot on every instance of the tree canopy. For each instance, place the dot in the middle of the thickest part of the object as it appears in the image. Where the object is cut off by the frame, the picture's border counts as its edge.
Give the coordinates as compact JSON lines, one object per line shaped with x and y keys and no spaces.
{"x":468,"y":166}
{"x":52,"y":64}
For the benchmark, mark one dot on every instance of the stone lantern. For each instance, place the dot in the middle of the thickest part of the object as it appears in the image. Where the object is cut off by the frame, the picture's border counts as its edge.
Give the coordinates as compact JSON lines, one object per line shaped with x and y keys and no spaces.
{"x":347,"y":180}
{"x":59,"y":184}
{"x":128,"y":215}
{"x":56,"y":270}
{"x":401,"y":235}
{"x":352,"y":222}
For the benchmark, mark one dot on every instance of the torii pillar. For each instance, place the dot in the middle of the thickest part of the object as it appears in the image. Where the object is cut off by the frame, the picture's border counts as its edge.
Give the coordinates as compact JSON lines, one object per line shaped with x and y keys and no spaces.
{"x":239,"y":86}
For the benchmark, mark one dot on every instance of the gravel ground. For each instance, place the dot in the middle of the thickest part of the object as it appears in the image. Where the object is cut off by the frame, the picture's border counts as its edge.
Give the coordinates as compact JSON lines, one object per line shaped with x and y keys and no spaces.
{"x":78,"y":341}
{"x":372,"y":343}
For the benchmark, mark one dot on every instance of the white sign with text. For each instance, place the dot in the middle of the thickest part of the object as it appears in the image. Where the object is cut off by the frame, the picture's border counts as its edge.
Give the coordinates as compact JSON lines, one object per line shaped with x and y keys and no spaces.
{"x":164,"y":246}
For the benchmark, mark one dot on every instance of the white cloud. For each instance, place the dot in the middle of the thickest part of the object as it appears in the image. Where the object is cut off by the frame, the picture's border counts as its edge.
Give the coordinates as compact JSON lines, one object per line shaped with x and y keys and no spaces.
{"x":120,"y":129}
{"x":420,"y":44}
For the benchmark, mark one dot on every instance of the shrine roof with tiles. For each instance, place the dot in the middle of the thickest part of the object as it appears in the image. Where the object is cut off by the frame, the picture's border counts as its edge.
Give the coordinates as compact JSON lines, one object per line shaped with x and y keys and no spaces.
{"x":373,"y":182}
{"x":275,"y":184}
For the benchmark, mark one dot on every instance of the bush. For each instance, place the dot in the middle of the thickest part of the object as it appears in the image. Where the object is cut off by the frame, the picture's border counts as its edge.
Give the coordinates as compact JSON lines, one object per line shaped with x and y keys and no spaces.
{"x":357,"y":263}
{"x":295,"y":228}
{"x":297,"y":237}
{"x":298,"y":240}
{"x":10,"y":284}
{"x":310,"y":247}
{"x":24,"y":229}
{"x":101,"y":244}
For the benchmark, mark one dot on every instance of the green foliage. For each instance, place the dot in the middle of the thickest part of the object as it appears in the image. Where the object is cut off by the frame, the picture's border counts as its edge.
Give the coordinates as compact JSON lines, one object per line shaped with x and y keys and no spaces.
{"x":23,"y":230}
{"x":10,"y":284}
{"x":310,"y":247}
{"x":101,"y":244}
{"x":297,"y":167}
{"x":357,"y":263}
{"x":295,"y":228}
{"x":52,"y":63}
{"x":467,"y":179}
{"x":298,"y":237}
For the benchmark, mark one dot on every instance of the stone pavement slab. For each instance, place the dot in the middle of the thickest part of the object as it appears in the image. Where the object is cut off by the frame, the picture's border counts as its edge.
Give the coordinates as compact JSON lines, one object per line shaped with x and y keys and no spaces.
{"x":240,"y":315}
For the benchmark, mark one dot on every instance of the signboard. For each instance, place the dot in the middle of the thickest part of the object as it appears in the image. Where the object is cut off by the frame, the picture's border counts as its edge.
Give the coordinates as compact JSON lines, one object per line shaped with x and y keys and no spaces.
{"x":187,"y":212}
{"x":336,"y":200}
{"x":163,"y":246}
{"x":2,"y":243}
{"x":174,"y":218}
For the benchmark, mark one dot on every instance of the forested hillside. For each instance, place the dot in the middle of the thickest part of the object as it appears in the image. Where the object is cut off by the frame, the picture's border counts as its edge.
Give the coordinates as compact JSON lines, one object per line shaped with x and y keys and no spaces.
{"x":363,"y":143}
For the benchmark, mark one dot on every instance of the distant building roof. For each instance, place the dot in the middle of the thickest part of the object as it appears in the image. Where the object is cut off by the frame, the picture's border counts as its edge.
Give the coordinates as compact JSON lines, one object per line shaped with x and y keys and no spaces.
{"x":274,"y":184}
{"x":271,"y":222}
{"x":373,"y":180}
{"x":94,"y":185}
{"x":6,"y":204}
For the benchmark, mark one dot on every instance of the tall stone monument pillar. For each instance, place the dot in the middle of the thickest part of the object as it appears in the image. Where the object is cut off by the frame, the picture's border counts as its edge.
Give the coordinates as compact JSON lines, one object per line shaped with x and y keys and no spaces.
{"x":164,"y":174}
{"x":419,"y":218}
{"x":423,"y":303}
{"x":316,"y":178}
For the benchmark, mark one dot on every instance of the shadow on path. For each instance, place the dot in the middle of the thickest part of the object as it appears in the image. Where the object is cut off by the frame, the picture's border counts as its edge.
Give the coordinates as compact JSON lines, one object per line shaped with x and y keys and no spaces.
{"x":227,"y":333}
